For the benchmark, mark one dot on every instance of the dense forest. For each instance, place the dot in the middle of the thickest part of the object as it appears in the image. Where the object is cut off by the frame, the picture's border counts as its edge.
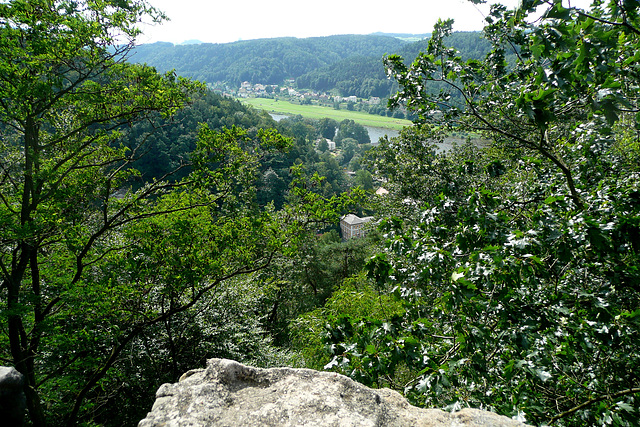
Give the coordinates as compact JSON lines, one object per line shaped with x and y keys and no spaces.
{"x":148,"y":224}
{"x":365,"y":76}
{"x":265,"y":61}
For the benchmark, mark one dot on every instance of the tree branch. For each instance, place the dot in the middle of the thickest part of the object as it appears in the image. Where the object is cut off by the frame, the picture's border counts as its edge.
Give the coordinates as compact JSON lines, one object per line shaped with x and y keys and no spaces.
{"x":590,"y":402}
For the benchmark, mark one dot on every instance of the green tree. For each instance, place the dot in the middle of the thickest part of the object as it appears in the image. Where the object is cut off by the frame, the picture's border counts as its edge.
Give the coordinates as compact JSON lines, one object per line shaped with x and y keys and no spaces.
{"x":364,"y":179}
{"x":350,"y":129}
{"x":356,"y":297}
{"x":349,"y":149}
{"x":519,"y":274}
{"x":554,"y":85}
{"x":327,"y":128}
{"x":323,"y":145}
{"x":89,"y":263}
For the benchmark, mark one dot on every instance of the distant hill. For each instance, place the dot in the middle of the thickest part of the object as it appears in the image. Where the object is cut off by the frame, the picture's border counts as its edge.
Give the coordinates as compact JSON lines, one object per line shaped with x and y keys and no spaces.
{"x":365,"y":76}
{"x":268,"y":61}
{"x":348,"y":64}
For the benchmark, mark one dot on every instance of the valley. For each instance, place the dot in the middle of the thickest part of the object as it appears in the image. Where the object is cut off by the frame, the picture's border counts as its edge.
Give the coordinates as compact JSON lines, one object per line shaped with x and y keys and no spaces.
{"x":163,"y":205}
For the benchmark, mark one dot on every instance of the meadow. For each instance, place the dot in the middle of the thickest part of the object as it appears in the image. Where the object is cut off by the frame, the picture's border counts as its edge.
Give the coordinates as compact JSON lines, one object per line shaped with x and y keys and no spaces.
{"x":319,"y":112}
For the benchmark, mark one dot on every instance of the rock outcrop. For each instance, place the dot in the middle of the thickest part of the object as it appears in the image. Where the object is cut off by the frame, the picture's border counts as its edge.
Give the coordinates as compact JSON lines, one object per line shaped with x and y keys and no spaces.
{"x":12,"y":398}
{"x":228,"y":393}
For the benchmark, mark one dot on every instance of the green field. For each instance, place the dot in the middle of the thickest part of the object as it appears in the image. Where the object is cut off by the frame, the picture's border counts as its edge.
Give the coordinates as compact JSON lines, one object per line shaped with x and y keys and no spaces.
{"x":318,"y":112}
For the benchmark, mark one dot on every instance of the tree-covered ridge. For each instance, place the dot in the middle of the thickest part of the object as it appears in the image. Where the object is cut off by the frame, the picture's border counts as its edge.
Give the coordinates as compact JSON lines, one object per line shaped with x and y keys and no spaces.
{"x":169,"y":142}
{"x":365,"y":77}
{"x":348,"y":64}
{"x":266,"y":61}
{"x":361,"y":76}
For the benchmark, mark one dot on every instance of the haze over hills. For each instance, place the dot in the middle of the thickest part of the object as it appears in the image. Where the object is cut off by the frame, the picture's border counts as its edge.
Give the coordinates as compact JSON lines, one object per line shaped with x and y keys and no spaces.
{"x":404,"y":36}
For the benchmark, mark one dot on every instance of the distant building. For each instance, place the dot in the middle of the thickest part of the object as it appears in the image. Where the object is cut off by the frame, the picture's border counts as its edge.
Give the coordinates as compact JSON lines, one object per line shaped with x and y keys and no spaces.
{"x":353,"y":226}
{"x":382,"y":191}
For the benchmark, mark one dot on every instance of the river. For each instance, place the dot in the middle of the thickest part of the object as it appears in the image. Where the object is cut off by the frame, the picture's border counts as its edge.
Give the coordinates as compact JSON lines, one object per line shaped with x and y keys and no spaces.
{"x":376,"y":133}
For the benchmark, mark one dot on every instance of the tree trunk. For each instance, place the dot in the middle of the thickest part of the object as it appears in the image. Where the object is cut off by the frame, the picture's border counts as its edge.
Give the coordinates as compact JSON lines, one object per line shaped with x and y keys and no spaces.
{"x":25,"y":256}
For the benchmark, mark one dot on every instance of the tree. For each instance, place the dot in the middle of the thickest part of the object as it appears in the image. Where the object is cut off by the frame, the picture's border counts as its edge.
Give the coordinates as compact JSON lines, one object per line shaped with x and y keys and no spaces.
{"x":364,"y":179}
{"x":349,"y":149}
{"x":350,"y":129}
{"x":274,"y":189}
{"x":323,"y":145}
{"x":327,"y":128}
{"x":553,"y":86}
{"x":518,"y":274}
{"x":89,"y":263}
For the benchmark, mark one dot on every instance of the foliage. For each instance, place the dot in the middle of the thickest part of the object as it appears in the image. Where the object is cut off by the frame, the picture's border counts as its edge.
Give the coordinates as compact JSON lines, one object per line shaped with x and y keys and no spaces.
{"x":228,"y":323}
{"x":552,"y":88}
{"x":418,"y":170}
{"x":519,"y":273}
{"x":93,"y":266}
{"x":172,"y":139}
{"x":350,"y":129}
{"x":327,"y":128}
{"x":522,"y":310}
{"x":357,"y":298}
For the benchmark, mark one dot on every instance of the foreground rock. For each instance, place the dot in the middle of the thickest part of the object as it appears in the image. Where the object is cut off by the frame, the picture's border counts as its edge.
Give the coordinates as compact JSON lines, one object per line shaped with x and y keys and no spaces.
{"x":12,"y":399}
{"x":228,"y":393}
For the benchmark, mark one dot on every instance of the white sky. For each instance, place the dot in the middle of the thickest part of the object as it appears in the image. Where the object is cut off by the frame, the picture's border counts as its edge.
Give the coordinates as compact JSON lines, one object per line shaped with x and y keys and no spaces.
{"x":223,"y":21}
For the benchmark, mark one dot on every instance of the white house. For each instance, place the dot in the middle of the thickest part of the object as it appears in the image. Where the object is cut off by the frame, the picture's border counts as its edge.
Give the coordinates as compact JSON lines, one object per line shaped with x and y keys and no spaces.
{"x":353,"y":226}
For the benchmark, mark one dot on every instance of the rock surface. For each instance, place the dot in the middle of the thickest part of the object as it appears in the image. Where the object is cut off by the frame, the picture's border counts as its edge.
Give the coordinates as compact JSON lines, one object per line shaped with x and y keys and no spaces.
{"x":228,"y":393}
{"x":12,"y":398}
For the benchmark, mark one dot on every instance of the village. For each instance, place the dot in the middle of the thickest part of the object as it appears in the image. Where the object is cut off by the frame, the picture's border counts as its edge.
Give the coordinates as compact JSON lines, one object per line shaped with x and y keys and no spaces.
{"x":289,"y":91}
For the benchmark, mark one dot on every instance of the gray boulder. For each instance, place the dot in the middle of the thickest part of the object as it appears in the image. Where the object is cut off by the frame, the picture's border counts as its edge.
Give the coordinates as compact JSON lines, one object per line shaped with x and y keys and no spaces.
{"x":12,"y":399}
{"x":231,"y":394}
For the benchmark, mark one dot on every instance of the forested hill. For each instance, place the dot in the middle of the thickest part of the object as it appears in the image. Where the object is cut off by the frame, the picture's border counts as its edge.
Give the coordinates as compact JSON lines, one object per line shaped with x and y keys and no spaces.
{"x":267,"y":61}
{"x":352,"y":64}
{"x":364,"y":76}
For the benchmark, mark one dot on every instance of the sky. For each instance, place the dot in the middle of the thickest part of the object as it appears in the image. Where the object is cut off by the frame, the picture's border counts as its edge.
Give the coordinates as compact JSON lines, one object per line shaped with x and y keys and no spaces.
{"x":223,"y":21}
